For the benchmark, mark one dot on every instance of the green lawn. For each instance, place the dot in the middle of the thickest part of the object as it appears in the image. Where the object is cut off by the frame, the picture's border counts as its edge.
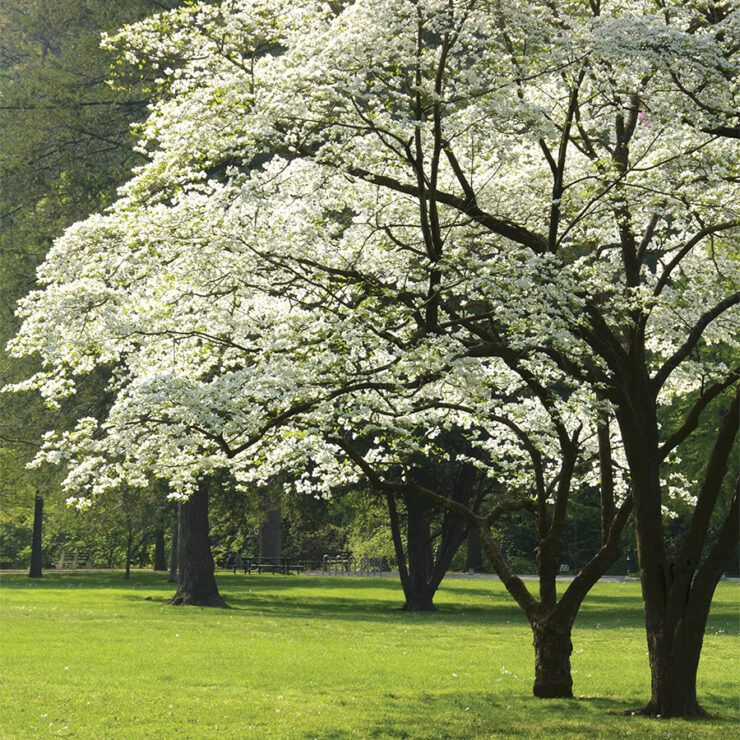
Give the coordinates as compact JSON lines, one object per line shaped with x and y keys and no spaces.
{"x":89,"y":655}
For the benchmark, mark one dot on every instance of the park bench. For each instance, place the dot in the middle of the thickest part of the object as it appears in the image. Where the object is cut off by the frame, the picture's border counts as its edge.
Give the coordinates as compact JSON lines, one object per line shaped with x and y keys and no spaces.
{"x":263,"y":565}
{"x":234,"y":562}
{"x":72,"y":560}
{"x":274,"y":565}
{"x":5,"y":561}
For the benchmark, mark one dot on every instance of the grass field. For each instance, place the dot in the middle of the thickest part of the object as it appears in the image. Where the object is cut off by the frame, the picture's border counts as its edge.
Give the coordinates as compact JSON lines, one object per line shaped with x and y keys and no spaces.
{"x":89,"y":655}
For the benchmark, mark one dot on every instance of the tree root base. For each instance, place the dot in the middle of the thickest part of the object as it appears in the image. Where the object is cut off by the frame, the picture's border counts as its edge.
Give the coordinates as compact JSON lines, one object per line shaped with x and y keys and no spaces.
{"x":652,"y":710}
{"x":188,"y":600}
{"x":552,"y":692}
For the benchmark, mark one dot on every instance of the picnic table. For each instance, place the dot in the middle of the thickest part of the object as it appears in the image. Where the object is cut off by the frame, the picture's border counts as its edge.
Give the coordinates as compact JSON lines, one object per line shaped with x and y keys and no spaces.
{"x":264,"y":565}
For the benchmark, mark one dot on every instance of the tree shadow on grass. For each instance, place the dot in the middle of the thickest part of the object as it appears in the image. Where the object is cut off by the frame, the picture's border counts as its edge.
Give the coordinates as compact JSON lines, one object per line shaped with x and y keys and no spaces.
{"x":79,"y":579}
{"x":332,"y":607}
{"x":468,"y":714}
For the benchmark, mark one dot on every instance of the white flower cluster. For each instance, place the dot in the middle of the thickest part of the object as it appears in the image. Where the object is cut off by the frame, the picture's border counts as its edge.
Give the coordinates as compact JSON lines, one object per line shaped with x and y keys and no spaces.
{"x":397,"y":223}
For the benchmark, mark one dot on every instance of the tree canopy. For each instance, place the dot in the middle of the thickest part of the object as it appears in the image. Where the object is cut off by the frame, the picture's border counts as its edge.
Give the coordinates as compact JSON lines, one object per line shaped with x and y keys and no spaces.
{"x":363,"y":225}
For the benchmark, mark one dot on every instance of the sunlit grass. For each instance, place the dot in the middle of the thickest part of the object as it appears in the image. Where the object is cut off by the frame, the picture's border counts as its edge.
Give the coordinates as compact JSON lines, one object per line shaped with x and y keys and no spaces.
{"x":92,"y":656}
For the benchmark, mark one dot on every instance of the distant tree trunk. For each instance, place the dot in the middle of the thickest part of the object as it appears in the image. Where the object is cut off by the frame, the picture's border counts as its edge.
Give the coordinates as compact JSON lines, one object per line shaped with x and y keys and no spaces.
{"x":420,"y":570}
{"x":38,"y":512}
{"x":196,"y":582}
{"x":160,"y":562}
{"x":129,"y":548}
{"x":474,"y":556}
{"x":172,"y":578}
{"x":129,"y":545}
{"x":271,"y":529}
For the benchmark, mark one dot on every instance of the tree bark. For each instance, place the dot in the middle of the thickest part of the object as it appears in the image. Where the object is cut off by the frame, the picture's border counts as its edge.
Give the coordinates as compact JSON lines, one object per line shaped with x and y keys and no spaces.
{"x":676,"y":596}
{"x":552,"y":650}
{"x":196,"y":582}
{"x":674,"y":660}
{"x":38,"y":513}
{"x":419,"y":589}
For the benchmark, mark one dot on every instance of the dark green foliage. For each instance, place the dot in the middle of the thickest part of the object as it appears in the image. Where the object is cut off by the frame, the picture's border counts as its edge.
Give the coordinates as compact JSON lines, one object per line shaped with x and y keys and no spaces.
{"x":66,"y":145}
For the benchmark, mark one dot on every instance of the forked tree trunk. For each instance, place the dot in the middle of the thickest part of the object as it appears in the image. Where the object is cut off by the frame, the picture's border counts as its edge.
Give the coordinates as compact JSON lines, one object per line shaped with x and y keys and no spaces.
{"x":552,"y":625}
{"x":196,"y":581}
{"x":676,"y":595}
{"x":420,"y":571}
{"x":551,"y":619}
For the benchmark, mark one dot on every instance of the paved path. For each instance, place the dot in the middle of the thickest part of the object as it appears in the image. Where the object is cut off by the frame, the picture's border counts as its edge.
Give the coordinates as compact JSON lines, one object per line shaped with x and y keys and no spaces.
{"x":490,"y":576}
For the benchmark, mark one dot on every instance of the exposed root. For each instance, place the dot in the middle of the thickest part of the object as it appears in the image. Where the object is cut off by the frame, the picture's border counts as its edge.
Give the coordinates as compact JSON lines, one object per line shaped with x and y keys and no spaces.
{"x":189,"y":600}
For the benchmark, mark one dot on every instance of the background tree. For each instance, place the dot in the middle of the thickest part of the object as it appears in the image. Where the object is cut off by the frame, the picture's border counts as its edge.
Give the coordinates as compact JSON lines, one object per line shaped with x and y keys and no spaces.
{"x":66,"y":146}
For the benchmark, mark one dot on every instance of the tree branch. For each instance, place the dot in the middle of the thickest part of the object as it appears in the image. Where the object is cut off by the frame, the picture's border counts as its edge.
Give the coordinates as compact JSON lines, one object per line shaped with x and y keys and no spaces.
{"x":502,"y":227}
{"x":692,"y":419}
{"x":694,"y":336}
{"x":706,"y":231}
{"x":712,"y":483}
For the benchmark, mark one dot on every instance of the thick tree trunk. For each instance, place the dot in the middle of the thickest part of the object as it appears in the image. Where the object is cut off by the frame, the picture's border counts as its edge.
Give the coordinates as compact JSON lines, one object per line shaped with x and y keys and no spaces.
{"x":675,"y":642}
{"x":160,"y":562}
{"x":676,"y":595}
{"x":196,"y":582}
{"x":38,"y":514}
{"x":674,"y":659}
{"x":419,"y":590}
{"x":552,"y":650}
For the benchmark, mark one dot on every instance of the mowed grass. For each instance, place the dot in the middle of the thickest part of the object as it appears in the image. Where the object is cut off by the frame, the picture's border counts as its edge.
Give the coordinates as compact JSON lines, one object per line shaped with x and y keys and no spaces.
{"x":89,"y":655}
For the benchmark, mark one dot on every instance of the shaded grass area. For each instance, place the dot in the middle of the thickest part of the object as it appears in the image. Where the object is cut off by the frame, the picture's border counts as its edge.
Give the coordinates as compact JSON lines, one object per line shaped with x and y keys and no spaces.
{"x":90,"y":655}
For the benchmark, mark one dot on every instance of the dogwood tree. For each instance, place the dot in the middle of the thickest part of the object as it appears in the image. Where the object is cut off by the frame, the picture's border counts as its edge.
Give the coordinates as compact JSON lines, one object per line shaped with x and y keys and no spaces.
{"x":364,"y":223}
